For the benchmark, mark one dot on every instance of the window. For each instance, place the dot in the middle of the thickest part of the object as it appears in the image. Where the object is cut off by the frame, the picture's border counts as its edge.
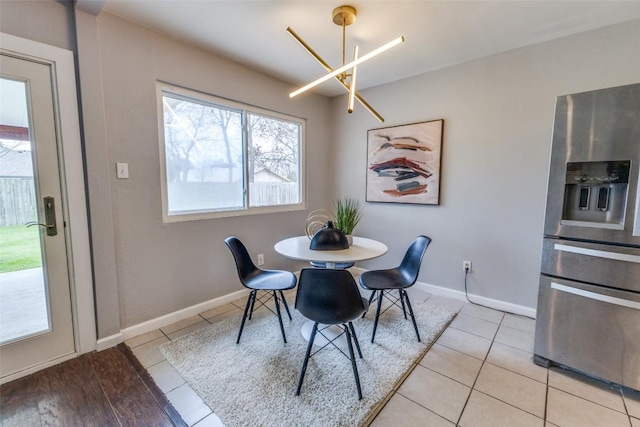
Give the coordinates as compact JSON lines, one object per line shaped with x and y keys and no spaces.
{"x":222,"y":158}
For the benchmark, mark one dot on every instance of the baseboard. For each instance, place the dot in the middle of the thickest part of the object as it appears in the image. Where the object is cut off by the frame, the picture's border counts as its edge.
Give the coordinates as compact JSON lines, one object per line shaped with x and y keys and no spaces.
{"x":459,"y":295}
{"x":478,"y":299}
{"x":108,"y":342}
{"x":167,"y":319}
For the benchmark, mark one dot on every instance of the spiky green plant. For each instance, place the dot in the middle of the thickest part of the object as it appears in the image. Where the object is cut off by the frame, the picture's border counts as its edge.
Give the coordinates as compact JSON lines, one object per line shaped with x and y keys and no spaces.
{"x":347,"y":212}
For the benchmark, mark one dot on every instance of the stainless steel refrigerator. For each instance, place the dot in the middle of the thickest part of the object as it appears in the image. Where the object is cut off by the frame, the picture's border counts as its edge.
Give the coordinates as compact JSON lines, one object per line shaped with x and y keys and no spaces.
{"x":588,"y":315}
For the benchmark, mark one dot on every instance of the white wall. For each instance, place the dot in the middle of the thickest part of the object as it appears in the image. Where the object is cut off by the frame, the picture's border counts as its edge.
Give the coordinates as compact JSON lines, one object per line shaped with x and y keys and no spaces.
{"x":143,"y":268}
{"x":498,"y":114}
{"x":161,"y":267}
{"x":44,"y":21}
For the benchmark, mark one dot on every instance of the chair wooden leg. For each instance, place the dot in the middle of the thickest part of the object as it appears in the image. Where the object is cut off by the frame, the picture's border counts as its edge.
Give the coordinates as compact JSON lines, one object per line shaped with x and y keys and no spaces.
{"x":355,"y":339}
{"x":353,"y":361}
{"x":286,"y":306}
{"x":275,"y":298}
{"x":306,"y":357}
{"x":413,"y":317}
{"x":375,"y":321}
{"x":244,"y":316}
{"x":253,"y":303}
{"x":404,"y":310}
{"x":371,"y":297}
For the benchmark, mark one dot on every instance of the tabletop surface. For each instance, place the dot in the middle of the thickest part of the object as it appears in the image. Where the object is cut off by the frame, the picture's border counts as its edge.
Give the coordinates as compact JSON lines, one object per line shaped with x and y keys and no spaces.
{"x":361,"y":249}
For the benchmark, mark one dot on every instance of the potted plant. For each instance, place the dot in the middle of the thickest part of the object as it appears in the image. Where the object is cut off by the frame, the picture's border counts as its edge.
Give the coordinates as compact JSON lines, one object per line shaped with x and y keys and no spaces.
{"x":347,"y":212}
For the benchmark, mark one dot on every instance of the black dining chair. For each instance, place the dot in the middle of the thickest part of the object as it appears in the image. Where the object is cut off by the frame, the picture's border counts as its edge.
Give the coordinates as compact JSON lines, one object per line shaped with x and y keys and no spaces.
{"x":330,"y":297}
{"x":399,"y":278}
{"x":272,"y":282}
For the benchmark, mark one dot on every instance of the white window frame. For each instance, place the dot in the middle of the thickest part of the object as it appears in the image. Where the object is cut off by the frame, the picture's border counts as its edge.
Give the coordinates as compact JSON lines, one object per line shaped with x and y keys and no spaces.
{"x":166,"y":88}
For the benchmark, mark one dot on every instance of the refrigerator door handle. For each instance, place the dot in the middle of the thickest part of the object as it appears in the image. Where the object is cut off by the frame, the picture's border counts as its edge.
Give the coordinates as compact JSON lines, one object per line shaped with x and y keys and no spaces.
{"x":596,"y":296}
{"x":597,"y":253}
{"x":636,"y":224}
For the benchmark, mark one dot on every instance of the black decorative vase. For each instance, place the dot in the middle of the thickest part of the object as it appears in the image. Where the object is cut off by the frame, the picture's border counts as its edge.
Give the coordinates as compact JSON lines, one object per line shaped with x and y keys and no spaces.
{"x":329,"y":238}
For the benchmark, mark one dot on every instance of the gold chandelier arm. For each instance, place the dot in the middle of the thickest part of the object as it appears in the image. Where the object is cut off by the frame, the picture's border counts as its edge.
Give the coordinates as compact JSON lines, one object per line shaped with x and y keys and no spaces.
{"x":344,"y":42}
{"x":345,"y":67}
{"x":352,"y":83}
{"x":309,"y":49}
{"x":327,"y":67}
{"x":366,"y":105}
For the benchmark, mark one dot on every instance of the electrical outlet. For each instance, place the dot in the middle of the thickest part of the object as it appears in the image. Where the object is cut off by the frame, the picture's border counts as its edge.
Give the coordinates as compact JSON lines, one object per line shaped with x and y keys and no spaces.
{"x":260,"y":259}
{"x":466,"y":266}
{"x":122,"y":170}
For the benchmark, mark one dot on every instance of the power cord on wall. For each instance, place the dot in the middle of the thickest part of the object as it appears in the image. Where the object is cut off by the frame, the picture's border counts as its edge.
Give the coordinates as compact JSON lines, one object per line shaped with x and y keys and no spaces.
{"x":466,"y":294}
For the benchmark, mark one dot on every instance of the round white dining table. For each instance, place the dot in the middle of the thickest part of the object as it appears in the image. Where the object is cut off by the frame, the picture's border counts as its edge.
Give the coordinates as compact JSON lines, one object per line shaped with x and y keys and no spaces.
{"x":298,"y":248}
{"x":362,"y":249}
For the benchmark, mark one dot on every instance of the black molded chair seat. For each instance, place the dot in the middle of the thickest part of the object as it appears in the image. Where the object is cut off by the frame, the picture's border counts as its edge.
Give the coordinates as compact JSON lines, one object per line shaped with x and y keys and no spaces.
{"x":385,"y":280}
{"x":273,"y":282}
{"x":330,"y":297}
{"x":339,"y":265}
{"x":267,"y":280}
{"x":399,"y":278}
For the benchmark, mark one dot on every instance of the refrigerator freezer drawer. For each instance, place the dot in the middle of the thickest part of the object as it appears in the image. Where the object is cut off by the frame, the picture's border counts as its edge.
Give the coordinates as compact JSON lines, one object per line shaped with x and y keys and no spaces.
{"x":589,"y":328}
{"x":608,"y":265}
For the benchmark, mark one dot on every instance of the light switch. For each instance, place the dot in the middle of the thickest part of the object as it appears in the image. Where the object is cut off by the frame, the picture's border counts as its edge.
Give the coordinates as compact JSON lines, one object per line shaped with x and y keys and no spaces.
{"x":122,"y":170}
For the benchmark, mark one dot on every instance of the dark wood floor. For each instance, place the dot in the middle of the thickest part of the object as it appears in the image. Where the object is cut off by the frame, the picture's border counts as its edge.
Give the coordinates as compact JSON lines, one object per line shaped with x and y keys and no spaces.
{"x":107,"y":388}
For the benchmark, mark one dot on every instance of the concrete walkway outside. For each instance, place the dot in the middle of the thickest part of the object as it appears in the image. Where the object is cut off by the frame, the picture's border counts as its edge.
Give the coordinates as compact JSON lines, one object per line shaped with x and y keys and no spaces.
{"x":23,"y":304}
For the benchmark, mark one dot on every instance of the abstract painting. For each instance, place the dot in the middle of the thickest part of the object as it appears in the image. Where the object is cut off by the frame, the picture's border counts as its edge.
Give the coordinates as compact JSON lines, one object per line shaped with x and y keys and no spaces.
{"x":403,"y":163}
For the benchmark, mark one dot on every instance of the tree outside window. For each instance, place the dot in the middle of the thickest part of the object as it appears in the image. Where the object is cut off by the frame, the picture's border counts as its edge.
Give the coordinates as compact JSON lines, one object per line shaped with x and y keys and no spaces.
{"x":211,"y":165}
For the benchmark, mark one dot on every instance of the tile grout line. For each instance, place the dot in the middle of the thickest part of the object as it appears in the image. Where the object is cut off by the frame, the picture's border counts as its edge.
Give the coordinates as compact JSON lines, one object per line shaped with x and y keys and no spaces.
{"x":591,"y":401}
{"x":518,"y":373}
{"x":165,"y":360}
{"x":485,"y":361}
{"x":397,"y":391}
{"x":423,"y":407}
{"x":478,"y":374}
{"x":509,"y":404}
{"x":472,"y":333}
{"x":500,"y":400}
{"x":626,"y":408}
{"x":473,"y":387}
{"x":546,"y":398}
{"x":184,"y":381}
{"x":396,"y":388}
{"x":544,"y":418}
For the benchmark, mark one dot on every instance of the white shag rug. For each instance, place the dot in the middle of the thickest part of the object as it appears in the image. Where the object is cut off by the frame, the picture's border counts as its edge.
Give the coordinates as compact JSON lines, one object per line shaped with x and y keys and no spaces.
{"x":253,"y":383}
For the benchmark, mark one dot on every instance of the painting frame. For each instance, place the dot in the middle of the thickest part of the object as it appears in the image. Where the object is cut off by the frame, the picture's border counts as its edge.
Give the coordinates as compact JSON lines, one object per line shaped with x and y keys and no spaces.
{"x":404,"y":163}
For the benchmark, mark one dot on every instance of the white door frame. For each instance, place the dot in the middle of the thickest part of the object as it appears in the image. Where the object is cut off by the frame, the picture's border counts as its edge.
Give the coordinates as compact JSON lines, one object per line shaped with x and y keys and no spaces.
{"x":72,"y":174}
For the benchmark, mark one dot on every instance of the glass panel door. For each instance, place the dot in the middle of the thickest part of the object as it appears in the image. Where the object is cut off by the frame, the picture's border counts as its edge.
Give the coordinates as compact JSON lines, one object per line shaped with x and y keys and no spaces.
{"x":36,"y":323}
{"x":24,"y":310}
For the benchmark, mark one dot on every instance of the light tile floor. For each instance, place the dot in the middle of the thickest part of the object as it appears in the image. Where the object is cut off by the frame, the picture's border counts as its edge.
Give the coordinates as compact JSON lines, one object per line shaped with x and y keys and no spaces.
{"x":478,"y":373}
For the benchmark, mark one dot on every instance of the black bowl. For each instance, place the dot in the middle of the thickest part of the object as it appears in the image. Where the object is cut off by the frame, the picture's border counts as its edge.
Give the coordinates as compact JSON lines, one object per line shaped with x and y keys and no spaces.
{"x":329,"y":239}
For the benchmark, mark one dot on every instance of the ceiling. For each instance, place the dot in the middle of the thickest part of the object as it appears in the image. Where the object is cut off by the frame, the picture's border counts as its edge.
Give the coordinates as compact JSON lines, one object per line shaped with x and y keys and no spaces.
{"x":437,"y":33}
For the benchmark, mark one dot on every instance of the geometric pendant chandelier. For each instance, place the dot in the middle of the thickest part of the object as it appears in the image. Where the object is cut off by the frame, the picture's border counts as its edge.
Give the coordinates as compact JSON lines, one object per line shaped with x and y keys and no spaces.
{"x":347,"y":73}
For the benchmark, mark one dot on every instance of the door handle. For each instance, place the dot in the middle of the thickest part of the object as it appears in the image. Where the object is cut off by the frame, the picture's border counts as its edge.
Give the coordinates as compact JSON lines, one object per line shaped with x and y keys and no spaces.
{"x":596,"y":296}
{"x":49,"y":216}
{"x":597,"y":253}
{"x":32,"y":223}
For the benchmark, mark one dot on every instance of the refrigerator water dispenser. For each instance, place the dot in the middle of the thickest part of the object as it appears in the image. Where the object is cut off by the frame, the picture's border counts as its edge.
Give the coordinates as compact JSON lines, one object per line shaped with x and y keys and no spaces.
{"x":596,"y":194}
